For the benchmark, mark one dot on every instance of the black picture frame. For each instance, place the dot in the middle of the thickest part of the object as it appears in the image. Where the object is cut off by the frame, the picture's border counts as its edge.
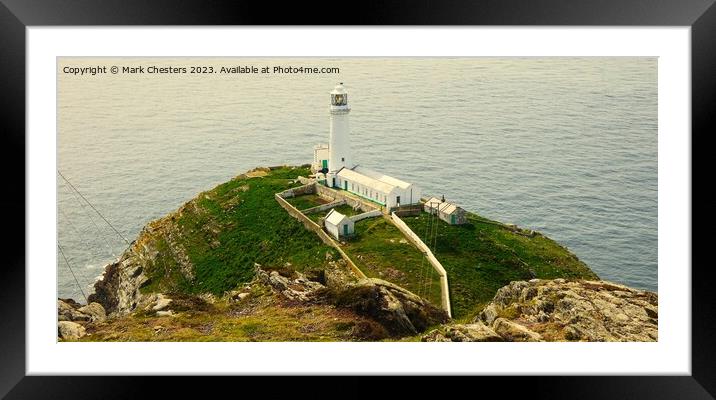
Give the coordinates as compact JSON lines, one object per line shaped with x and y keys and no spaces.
{"x":16,"y":15}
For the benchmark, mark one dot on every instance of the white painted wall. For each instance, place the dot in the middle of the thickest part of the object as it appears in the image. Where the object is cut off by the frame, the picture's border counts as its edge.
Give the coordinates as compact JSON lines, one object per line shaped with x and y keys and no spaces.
{"x":444,"y":288}
{"x":339,"y":147}
{"x":332,"y":230}
{"x":319,"y":154}
{"x":369,"y":214}
{"x":409,"y":195}
{"x":337,"y":230}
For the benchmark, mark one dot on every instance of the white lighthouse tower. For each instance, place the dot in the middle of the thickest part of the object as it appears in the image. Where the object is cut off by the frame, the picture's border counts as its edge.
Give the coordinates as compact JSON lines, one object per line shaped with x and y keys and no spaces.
{"x":339,"y":147}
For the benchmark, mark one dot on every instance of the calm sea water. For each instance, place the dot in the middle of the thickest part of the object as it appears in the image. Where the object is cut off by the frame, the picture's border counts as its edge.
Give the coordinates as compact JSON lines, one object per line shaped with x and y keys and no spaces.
{"x":567,"y":146}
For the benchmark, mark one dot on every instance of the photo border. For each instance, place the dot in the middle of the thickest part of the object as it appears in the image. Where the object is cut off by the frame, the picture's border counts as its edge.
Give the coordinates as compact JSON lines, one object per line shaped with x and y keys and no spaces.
{"x":16,"y":15}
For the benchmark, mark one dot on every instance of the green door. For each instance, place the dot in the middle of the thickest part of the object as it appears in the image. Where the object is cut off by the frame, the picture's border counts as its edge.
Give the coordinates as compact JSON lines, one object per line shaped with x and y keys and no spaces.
{"x":325,"y":164}
{"x":452,"y":219}
{"x":345,"y":185}
{"x":345,"y":229}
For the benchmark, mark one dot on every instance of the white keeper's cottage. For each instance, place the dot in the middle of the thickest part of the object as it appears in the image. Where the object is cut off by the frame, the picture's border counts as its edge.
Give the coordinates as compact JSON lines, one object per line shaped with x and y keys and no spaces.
{"x":334,"y":166}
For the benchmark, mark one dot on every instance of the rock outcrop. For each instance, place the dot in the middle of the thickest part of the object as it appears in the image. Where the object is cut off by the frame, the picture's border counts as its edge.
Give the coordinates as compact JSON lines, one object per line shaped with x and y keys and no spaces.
{"x":67,"y":310}
{"x":295,"y":288}
{"x":95,"y":311}
{"x":398,"y":310}
{"x":72,"y":318}
{"x":70,"y":310}
{"x":118,"y":290}
{"x":562,"y":310}
{"x":475,"y":332}
{"x":68,"y":330}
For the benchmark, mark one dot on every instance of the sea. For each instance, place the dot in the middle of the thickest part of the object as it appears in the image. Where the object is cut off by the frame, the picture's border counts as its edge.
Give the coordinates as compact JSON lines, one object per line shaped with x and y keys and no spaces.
{"x":563,"y":145}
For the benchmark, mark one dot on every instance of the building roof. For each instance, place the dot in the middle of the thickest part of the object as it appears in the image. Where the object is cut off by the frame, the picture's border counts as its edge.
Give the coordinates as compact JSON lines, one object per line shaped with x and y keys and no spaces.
{"x":354,"y":176}
{"x":334,"y":217}
{"x":339,"y":89}
{"x":381,"y":177}
{"x":433,"y":202}
{"x":444,"y":207}
{"x":448,"y":208}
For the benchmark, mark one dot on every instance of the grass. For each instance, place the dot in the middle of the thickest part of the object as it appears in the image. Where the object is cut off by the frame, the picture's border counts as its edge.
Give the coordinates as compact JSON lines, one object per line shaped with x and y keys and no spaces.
{"x":306,"y":201}
{"x":381,"y":251}
{"x":229,"y":228}
{"x":482,"y":256}
{"x":343,"y":209}
{"x":261,"y":317}
{"x":226,"y":230}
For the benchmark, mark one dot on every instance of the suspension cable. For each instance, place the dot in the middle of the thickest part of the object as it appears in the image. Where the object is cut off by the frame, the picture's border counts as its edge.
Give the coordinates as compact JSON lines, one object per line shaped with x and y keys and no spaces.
{"x":72,"y":272}
{"x":93,"y":207}
{"x":89,"y":215}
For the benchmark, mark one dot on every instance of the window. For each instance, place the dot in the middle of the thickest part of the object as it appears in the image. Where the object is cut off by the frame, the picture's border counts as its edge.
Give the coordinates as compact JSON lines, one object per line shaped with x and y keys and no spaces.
{"x":343,"y":158}
{"x":339,"y":99}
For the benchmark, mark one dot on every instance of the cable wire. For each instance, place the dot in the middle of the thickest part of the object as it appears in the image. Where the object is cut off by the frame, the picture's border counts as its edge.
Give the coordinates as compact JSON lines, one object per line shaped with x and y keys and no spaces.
{"x":93,"y":207}
{"x":72,"y":272}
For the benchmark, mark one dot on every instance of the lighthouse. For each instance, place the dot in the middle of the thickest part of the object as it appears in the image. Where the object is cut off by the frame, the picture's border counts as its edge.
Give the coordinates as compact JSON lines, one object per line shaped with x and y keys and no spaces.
{"x":339,"y":149}
{"x":333,"y":165}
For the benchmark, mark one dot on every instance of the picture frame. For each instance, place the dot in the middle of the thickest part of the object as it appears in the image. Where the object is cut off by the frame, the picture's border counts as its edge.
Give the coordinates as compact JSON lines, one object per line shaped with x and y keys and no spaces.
{"x":17,"y":15}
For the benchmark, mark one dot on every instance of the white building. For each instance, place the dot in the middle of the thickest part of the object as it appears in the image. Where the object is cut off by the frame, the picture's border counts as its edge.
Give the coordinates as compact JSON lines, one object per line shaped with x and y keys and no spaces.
{"x":338,"y":225}
{"x":343,"y":174}
{"x":320,"y":158}
{"x":379,"y":188}
{"x":446,"y":211}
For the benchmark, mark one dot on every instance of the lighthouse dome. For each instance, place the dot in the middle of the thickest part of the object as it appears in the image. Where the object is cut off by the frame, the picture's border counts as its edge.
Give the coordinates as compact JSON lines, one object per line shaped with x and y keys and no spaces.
{"x":339,"y":89}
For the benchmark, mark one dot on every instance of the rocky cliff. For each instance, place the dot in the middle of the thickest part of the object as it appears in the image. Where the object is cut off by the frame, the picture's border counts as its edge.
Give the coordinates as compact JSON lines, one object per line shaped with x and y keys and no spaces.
{"x":277,"y":305}
{"x":210,"y":244}
{"x":561,"y":310}
{"x":231,"y":264}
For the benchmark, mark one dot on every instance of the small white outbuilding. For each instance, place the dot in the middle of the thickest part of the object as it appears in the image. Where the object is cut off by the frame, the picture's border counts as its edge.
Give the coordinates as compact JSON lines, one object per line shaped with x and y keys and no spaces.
{"x":338,"y":225}
{"x":446,"y":211}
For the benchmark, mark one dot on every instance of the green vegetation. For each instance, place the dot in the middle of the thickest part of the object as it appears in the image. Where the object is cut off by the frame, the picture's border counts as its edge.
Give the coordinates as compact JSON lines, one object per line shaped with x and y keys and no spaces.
{"x":306,"y":201}
{"x":343,"y":209}
{"x":482,"y":256}
{"x":224,"y":231}
{"x":229,"y":228}
{"x":381,"y":251}
{"x":260,"y":317}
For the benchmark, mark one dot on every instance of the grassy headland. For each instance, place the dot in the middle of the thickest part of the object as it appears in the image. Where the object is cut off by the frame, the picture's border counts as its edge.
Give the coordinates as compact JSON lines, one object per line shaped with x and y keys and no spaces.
{"x":483,"y":255}
{"x":224,"y":231}
{"x":229,"y":228}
